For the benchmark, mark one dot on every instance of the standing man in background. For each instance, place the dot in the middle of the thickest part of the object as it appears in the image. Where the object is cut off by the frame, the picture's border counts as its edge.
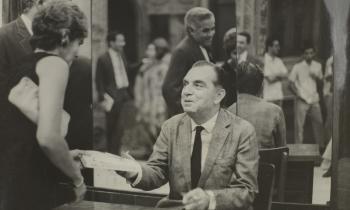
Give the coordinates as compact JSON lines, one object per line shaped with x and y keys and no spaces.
{"x":274,"y":72}
{"x":112,"y":85}
{"x":200,"y":29}
{"x":304,"y":78}
{"x":243,"y":42}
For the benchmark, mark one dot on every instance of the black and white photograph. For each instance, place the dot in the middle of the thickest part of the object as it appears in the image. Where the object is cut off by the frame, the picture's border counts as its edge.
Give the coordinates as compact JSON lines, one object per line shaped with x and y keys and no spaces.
{"x":174,"y":104}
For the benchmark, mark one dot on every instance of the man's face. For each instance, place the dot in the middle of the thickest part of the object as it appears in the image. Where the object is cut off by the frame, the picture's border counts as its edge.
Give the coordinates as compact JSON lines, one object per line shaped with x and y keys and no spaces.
{"x":242,"y":44}
{"x":199,"y":94}
{"x":275,"y":48}
{"x":204,"y":32}
{"x":309,"y":55}
{"x":119,"y":43}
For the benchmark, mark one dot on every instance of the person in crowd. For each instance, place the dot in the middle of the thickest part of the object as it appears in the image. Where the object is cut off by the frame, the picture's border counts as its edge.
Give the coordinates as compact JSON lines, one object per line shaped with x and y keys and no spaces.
{"x":14,"y":36}
{"x":267,"y":118}
{"x":149,"y":100}
{"x":112,"y":86}
{"x":304,"y":77}
{"x":230,"y":66}
{"x":14,"y":40}
{"x":208,"y":155}
{"x":35,"y":152}
{"x":151,"y":110}
{"x":200,"y":29}
{"x":274,"y":72}
{"x":243,"y":42}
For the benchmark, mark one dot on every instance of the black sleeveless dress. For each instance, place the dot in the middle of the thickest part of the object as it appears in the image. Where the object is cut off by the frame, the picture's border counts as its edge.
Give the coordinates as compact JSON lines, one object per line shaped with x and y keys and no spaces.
{"x":28,"y":179}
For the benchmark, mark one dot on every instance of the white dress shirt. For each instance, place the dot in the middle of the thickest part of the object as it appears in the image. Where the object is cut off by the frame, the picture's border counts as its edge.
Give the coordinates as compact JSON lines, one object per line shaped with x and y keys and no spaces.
{"x":305,"y":84}
{"x":28,"y":23}
{"x":121,"y":79}
{"x":273,"y":66}
{"x":205,"y":53}
{"x":242,"y":57}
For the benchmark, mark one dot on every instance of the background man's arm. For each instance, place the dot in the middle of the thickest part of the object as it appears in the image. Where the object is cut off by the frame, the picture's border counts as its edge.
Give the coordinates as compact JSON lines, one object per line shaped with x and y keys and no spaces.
{"x":172,"y":85}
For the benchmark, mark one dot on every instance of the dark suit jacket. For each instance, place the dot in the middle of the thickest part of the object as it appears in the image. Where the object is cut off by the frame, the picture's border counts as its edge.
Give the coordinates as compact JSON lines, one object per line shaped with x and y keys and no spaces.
{"x":105,"y":79}
{"x":230,"y":83}
{"x":230,"y":169}
{"x":267,"y":119}
{"x":14,"y":44}
{"x":184,"y":56}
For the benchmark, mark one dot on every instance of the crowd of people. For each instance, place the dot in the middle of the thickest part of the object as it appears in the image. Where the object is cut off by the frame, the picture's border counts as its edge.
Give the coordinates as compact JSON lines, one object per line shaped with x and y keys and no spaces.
{"x":205,"y":122}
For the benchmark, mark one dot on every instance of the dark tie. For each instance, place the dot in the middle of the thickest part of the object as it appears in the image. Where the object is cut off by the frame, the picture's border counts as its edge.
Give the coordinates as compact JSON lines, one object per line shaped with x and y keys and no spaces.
{"x":196,"y":157}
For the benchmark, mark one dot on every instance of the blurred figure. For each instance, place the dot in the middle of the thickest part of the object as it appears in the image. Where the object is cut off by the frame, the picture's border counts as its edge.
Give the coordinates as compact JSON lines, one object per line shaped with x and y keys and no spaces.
{"x":328,"y":95}
{"x":243,"y":42}
{"x":36,"y":154}
{"x":267,"y":118}
{"x":274,"y":72}
{"x":149,"y":100}
{"x":151,"y":110}
{"x":200,"y":29}
{"x":304,"y":77}
{"x":112,"y":85}
{"x":229,"y":67}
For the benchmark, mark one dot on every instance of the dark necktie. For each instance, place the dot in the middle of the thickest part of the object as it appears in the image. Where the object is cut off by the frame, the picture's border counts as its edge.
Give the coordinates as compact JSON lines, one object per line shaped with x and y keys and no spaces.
{"x":196,"y":157}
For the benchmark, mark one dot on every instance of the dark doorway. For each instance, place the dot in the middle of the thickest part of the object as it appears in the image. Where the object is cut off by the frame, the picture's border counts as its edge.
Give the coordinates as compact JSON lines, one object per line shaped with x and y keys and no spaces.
{"x":296,"y":22}
{"x":122,"y":17}
{"x":225,"y":18}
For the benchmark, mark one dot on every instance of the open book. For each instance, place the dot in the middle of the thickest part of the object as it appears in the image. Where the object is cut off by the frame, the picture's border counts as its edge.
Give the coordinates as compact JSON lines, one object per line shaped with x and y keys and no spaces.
{"x":104,"y":160}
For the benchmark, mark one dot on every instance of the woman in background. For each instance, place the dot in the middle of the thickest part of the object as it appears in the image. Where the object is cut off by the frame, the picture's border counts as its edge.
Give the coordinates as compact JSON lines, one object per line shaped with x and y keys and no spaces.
{"x":151,"y":110}
{"x":35,"y":154}
{"x":149,"y":100}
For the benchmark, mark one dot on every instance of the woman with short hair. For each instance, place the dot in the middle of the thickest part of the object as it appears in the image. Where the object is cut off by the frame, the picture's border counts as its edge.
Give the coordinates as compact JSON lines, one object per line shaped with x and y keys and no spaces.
{"x":35,"y":155}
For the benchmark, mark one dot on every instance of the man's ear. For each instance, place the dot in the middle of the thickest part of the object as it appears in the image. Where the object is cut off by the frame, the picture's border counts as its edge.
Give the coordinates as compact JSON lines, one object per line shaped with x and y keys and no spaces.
{"x":220,"y":94}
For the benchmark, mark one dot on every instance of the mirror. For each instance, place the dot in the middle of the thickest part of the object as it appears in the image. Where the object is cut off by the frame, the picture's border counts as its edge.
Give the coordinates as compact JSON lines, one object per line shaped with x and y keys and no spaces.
{"x":278,"y":34}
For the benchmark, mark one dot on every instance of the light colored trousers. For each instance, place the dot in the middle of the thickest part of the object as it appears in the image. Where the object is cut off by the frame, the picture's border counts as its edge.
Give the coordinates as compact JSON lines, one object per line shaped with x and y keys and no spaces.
{"x":314,"y":111}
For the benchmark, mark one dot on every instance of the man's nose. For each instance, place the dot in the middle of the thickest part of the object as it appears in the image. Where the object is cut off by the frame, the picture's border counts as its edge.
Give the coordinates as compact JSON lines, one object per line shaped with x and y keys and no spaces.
{"x":187,"y":90}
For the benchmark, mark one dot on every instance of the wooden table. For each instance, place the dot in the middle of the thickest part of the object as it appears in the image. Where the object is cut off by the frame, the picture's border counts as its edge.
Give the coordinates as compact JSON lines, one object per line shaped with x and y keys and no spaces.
{"x":91,"y":205}
{"x":300,"y":172}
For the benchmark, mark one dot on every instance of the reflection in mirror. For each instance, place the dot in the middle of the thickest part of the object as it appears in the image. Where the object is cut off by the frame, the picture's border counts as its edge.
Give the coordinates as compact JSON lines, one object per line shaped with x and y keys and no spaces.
{"x":284,"y":84}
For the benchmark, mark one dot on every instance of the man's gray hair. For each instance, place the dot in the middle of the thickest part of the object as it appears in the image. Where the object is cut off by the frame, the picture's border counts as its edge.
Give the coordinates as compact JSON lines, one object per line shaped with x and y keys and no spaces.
{"x":195,"y":15}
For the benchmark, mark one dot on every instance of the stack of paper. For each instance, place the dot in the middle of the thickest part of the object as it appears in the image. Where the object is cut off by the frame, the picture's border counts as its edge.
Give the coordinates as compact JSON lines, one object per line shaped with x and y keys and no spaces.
{"x":103,"y":160}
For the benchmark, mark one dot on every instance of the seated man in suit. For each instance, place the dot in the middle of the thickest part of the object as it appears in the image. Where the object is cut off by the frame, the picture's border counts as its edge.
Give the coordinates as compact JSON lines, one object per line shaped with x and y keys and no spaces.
{"x":208,"y":155}
{"x":267,"y":118}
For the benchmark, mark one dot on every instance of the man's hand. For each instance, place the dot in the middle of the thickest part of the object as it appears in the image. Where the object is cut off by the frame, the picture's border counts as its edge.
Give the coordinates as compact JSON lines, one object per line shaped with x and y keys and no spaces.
{"x":128,"y":175}
{"x":196,"y":199}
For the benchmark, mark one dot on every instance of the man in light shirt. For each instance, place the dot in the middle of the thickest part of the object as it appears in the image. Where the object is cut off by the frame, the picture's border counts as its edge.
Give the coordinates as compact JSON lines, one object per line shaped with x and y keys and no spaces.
{"x":208,"y":155}
{"x":274,"y":72}
{"x":112,"y":86}
{"x":243,"y":42}
{"x":304,"y":78}
{"x":200,"y":29}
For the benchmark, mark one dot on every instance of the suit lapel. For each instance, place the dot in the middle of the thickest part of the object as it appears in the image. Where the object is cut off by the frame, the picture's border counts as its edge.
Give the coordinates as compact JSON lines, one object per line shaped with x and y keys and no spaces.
{"x":24,"y":35}
{"x":184,"y":141}
{"x":219,"y":136}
